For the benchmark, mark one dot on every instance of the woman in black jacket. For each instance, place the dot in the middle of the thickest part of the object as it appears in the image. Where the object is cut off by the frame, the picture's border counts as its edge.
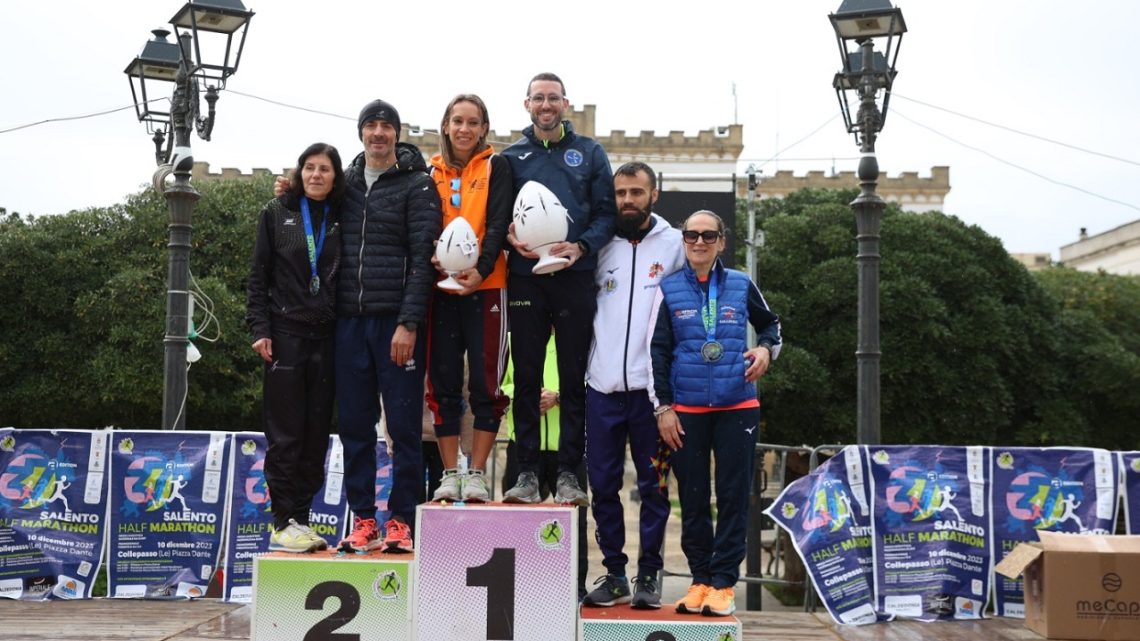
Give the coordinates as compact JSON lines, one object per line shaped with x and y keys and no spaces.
{"x":291,"y":312}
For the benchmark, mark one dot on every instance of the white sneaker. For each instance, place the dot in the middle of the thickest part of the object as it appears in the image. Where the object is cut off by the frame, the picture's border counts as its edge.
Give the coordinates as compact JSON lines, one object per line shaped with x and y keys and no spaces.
{"x":448,"y":489}
{"x":475,"y":487}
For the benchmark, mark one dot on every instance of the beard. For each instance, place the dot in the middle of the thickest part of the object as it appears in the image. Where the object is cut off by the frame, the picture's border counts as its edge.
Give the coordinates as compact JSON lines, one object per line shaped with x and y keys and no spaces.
{"x":534,"y":119}
{"x":628,"y":224}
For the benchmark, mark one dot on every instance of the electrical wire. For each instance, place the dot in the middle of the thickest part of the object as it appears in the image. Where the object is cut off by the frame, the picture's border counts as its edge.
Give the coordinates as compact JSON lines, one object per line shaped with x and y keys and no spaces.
{"x":1018,"y":131}
{"x":203,"y":302}
{"x":789,"y":147}
{"x":1015,"y":165}
{"x":289,"y":106}
{"x":66,"y":118}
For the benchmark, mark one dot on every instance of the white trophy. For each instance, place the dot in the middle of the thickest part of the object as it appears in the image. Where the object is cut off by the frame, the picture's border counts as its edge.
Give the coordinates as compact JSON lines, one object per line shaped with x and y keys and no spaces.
{"x":540,"y":221}
{"x":458,"y":249}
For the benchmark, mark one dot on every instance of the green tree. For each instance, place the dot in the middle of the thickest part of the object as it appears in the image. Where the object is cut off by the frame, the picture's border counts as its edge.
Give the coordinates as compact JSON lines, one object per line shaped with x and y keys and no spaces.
{"x":83,"y":330}
{"x":1099,"y":331}
{"x":965,"y":331}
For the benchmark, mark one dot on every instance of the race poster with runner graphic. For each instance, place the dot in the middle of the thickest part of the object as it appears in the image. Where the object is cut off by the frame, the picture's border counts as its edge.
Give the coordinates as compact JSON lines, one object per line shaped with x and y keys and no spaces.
{"x":53,"y":503}
{"x":1130,"y":472}
{"x":827,"y":514}
{"x":250,"y":518}
{"x":167,"y":512}
{"x":931,"y":537}
{"x":1057,"y":489}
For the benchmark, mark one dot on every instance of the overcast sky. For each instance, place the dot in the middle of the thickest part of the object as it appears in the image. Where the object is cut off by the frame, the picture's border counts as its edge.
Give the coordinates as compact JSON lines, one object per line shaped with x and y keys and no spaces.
{"x":1039,"y":66}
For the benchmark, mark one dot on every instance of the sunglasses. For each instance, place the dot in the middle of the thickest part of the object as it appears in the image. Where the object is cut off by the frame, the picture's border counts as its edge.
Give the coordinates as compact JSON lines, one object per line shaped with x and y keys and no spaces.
{"x":455,"y":184}
{"x":690,"y":236}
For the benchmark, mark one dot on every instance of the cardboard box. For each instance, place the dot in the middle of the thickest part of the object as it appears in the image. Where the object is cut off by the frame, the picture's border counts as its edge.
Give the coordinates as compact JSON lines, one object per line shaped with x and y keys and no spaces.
{"x":1079,"y":586}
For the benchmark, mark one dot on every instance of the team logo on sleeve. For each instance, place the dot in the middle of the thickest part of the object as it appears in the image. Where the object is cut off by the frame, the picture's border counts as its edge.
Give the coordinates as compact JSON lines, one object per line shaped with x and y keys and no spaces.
{"x":573,"y":157}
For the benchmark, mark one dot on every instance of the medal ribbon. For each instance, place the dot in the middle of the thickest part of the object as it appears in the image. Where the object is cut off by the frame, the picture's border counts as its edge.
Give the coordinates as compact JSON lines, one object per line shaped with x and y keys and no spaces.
{"x":314,"y":247}
{"x":708,"y":310}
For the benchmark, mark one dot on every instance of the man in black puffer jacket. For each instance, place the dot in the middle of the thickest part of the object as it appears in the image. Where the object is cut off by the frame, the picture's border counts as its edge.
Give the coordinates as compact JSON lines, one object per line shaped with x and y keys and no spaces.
{"x":389,"y":221}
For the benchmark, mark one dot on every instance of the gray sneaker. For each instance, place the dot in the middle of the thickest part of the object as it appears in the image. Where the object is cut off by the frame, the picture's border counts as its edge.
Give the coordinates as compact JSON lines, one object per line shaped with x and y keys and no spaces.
{"x":290,"y":538}
{"x":525,"y":490}
{"x":475,"y":487}
{"x":645,"y":595}
{"x":568,"y":491}
{"x":448,"y":489}
{"x":611,"y":590}
{"x":319,"y":542}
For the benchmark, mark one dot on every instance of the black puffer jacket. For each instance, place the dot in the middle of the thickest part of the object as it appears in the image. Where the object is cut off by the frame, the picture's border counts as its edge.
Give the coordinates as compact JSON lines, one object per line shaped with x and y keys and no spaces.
{"x":388,"y":239}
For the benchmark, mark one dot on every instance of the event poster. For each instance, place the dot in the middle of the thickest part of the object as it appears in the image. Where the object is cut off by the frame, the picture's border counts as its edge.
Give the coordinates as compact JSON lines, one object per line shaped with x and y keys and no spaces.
{"x":1057,"y":489}
{"x":52,"y":509}
{"x":250,"y":518}
{"x":1130,"y":472}
{"x":828,"y":518}
{"x":931,"y":539}
{"x":167,"y":510}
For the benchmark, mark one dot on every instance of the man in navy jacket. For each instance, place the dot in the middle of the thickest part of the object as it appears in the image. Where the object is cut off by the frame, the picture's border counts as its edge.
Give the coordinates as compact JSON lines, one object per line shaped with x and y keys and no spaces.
{"x":577,"y":170}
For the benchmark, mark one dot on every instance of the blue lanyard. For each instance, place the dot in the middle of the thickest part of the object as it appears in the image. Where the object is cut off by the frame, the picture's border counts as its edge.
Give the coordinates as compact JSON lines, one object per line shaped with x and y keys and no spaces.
{"x":708,"y":311}
{"x":314,"y":248}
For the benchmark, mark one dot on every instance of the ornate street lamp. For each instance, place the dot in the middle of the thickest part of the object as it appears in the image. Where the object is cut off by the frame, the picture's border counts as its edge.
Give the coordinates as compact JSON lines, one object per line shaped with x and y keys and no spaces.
{"x":213,"y":23}
{"x":864,"y":73}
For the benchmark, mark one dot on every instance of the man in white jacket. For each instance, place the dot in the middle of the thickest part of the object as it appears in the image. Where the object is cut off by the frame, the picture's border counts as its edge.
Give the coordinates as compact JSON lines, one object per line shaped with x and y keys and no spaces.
{"x":618,"y":410}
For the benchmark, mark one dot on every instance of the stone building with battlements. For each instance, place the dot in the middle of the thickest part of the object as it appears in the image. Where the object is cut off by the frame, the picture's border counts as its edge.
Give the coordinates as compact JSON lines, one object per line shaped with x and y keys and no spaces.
{"x":706,"y":161}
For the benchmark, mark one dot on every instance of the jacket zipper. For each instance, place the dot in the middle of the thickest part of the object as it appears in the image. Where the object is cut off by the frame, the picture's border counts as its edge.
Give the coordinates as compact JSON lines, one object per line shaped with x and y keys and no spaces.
{"x":629,"y":317}
{"x":360,"y":257}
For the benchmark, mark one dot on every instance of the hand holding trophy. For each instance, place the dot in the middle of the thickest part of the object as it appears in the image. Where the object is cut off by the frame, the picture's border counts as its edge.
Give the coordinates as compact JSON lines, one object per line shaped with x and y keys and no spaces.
{"x":457,"y":250}
{"x":540,"y":220}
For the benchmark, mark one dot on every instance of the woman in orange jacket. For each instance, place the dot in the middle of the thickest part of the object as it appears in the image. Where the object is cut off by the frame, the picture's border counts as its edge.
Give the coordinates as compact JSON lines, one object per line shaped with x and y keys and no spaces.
{"x":476,"y":184}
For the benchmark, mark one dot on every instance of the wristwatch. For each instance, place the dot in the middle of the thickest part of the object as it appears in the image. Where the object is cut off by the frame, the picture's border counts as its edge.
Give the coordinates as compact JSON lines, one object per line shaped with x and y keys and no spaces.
{"x":409,"y":325}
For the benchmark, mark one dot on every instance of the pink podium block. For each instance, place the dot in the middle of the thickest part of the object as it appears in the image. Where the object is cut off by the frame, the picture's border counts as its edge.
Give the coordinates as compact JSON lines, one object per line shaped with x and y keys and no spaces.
{"x":496,"y":572}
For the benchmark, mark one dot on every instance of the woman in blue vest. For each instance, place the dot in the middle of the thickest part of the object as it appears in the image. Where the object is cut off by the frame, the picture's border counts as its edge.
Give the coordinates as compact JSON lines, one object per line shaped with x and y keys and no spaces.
{"x":704,"y":375}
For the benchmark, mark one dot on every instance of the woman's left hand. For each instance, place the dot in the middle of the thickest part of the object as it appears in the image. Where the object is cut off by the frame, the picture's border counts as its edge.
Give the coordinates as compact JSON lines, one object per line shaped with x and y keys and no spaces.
{"x":758,"y":360}
{"x":670,"y":430}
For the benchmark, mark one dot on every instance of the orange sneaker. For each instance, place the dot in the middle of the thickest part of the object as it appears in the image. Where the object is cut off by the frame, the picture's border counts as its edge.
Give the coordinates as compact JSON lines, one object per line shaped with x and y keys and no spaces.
{"x":720,"y":602}
{"x":364,"y":536}
{"x":397,"y":535}
{"x":692,"y":601}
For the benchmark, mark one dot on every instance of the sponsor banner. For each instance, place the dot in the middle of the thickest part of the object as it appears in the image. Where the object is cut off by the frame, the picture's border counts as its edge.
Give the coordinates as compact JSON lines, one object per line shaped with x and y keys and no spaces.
{"x":53,"y":507}
{"x":250,"y":518}
{"x":1057,"y":489}
{"x":827,"y":515}
{"x":931,"y":537}
{"x":1130,"y":472}
{"x":167,"y":512}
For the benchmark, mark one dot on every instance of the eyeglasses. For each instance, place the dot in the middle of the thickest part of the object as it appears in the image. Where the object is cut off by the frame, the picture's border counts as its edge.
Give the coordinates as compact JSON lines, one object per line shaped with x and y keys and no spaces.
{"x":455,"y":185}
{"x":690,"y":236}
{"x":539,"y":98}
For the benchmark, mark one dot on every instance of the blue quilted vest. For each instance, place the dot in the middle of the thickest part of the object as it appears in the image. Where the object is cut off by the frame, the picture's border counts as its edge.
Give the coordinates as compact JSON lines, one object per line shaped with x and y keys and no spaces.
{"x":695,"y":381}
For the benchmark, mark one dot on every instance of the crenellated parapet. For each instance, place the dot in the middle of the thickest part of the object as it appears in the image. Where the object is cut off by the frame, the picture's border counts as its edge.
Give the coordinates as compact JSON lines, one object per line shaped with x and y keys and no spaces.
{"x":706,"y":161}
{"x":911,"y":191}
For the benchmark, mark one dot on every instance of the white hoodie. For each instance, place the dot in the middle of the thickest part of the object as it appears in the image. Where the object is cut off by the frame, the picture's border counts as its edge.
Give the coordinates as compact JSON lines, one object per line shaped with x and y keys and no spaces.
{"x":627,"y":277}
